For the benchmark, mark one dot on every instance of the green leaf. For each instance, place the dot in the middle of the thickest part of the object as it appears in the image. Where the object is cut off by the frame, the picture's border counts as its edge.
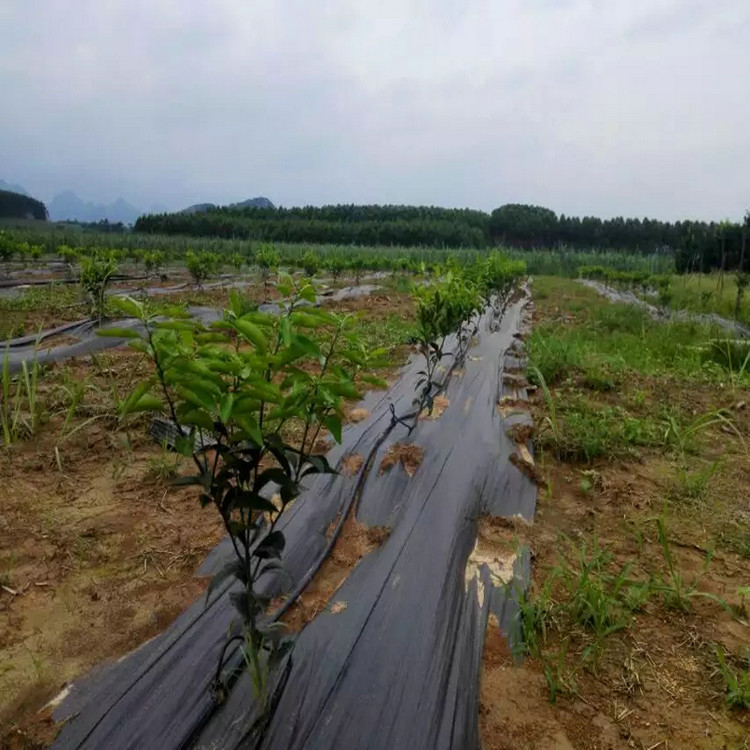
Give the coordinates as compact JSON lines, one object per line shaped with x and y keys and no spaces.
{"x":306,"y":345}
{"x":288,"y":355}
{"x":373,"y":380}
{"x":252,"y":333}
{"x":307,"y":293}
{"x":145,"y":403}
{"x":140,"y":390}
{"x":118,"y":333}
{"x":239,"y":601}
{"x":264,"y":392}
{"x":128,"y":305}
{"x":185,"y":444}
{"x":238,"y":498}
{"x":236,"y":528}
{"x":211,"y":338}
{"x":196,"y":417}
{"x":225,"y":407}
{"x":305,"y":320}
{"x":250,"y":425}
{"x":353,"y":356}
{"x":274,"y":474}
{"x":245,"y":404}
{"x":333,"y":424}
{"x":284,"y":286}
{"x":318,"y":465}
{"x":177,"y":325}
{"x":344,"y":388}
{"x":198,"y":398}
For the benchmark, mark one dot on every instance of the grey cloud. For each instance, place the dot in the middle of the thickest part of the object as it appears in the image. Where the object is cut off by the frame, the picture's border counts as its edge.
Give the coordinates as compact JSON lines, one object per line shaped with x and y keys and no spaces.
{"x":587,"y":107}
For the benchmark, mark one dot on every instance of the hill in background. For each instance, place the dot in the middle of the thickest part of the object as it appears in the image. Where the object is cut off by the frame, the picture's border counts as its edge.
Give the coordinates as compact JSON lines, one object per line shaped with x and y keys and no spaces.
{"x":15,"y":205}
{"x":68,"y":206}
{"x":259,"y":202}
{"x":10,"y":188}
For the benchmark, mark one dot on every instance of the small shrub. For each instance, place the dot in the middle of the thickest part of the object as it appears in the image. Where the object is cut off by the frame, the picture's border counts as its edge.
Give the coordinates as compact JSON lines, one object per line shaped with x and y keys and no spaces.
{"x":236,"y":261}
{"x":442,"y":308}
{"x":310,"y":263}
{"x":201,"y":266}
{"x":335,"y":265}
{"x":152,"y":260}
{"x":97,"y":270}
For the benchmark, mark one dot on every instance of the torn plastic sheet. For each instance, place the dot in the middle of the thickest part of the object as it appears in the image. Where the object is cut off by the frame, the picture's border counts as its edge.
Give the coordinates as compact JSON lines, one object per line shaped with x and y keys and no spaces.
{"x":398,"y":666}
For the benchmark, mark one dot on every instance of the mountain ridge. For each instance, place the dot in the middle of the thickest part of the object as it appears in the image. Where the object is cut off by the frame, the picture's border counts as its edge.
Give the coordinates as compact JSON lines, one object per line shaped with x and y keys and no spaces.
{"x":68,"y":206}
{"x":257,"y":202}
{"x":11,"y":188}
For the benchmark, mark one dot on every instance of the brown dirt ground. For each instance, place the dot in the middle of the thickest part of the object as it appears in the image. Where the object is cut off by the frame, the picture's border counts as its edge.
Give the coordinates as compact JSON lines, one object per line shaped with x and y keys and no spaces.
{"x":656,"y":684}
{"x":97,"y":552}
{"x":379,"y":305}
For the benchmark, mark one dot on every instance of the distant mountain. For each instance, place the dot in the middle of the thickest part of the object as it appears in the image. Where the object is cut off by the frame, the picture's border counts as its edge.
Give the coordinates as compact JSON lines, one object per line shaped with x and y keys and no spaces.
{"x":12,"y":188}
{"x":197,"y":208}
{"x":259,"y":202}
{"x":68,"y":206}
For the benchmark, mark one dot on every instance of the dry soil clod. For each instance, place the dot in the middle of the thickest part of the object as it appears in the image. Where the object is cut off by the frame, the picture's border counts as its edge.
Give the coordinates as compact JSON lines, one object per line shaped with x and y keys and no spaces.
{"x":408,"y":455}
{"x":439,"y":405}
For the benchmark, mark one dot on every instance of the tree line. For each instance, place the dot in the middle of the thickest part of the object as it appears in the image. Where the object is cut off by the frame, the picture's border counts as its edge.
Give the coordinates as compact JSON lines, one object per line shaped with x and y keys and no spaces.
{"x":407,"y":226}
{"x":696,"y":245}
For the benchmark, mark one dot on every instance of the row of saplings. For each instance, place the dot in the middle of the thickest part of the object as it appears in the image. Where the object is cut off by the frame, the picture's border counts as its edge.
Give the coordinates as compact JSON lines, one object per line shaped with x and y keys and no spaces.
{"x":236,"y":386}
{"x":202,"y":265}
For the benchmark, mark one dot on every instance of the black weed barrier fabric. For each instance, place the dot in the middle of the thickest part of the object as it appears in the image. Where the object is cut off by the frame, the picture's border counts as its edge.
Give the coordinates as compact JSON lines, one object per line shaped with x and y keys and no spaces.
{"x":395,"y":661}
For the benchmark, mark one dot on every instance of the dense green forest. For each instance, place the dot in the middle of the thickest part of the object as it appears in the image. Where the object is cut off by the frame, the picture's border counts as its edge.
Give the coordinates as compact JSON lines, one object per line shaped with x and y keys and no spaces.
{"x":17,"y":206}
{"x":696,"y":245}
{"x":408,"y":226}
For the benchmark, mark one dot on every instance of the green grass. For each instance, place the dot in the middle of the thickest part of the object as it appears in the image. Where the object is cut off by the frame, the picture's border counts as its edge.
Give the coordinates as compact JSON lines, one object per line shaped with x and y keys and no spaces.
{"x":605,"y":341}
{"x":703,"y":293}
{"x":589,"y":348}
{"x":387,"y":333}
{"x":586,"y":597}
{"x":57,"y":302}
{"x":736,"y":682}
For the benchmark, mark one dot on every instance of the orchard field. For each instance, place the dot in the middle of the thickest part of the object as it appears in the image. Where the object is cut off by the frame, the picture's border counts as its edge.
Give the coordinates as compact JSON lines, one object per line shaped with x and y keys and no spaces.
{"x":298,"y":477}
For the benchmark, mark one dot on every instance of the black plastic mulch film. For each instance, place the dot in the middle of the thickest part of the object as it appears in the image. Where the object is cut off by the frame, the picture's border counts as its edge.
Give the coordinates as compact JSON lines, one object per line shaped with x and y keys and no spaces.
{"x":396,"y":664}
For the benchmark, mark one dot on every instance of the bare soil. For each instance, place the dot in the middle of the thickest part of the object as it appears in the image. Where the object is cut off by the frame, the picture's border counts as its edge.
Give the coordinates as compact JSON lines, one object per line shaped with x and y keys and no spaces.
{"x":98,"y":556}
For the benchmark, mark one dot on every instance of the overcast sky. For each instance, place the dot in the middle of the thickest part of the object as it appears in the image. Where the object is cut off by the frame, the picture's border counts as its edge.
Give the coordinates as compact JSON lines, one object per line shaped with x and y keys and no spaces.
{"x":605,"y":107}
